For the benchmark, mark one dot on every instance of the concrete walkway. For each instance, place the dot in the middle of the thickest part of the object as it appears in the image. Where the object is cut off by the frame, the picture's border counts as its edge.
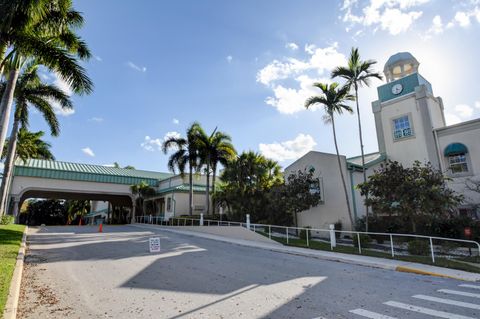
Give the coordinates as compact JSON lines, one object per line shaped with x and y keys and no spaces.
{"x":382,"y":263}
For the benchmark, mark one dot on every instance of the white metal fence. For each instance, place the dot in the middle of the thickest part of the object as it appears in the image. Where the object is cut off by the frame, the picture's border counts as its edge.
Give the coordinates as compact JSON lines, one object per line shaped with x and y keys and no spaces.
{"x":391,"y":245}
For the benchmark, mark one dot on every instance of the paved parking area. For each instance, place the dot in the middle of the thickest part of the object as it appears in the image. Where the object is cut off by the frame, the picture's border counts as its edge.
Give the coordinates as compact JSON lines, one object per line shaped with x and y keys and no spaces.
{"x":76,"y":272}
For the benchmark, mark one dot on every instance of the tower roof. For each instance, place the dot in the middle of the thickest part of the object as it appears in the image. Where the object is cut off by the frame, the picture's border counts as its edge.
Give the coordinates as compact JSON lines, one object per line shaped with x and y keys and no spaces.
{"x":399,"y":65}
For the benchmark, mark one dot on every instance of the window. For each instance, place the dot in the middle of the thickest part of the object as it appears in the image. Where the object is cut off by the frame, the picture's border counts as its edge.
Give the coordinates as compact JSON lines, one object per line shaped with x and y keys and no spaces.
{"x":169,"y":204}
{"x":456,"y":155}
{"x":402,"y":127}
{"x":458,"y":163}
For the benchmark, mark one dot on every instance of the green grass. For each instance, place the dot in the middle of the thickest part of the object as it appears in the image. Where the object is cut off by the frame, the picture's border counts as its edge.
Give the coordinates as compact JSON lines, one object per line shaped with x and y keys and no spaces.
{"x":439,"y":261}
{"x":10,"y":239}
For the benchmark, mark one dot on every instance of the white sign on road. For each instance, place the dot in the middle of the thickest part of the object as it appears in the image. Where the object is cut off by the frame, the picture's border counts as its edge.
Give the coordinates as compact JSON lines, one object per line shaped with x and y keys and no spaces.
{"x":155,"y":245}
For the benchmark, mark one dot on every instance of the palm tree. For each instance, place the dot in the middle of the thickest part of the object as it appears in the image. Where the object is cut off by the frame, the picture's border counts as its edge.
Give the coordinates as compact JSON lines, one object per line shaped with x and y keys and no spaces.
{"x":30,"y":91}
{"x":76,"y":208}
{"x":357,"y":74}
{"x":214,"y":149}
{"x":140,"y":191}
{"x":186,"y":153}
{"x":333,"y":98}
{"x":30,"y":145}
{"x":44,"y":30}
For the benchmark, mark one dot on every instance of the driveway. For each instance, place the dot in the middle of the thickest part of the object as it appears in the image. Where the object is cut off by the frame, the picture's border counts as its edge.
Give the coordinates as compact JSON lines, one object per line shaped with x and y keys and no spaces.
{"x":76,"y":272}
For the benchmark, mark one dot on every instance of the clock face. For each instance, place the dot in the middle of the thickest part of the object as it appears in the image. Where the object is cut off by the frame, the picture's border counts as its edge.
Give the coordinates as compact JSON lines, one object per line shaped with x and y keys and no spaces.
{"x":397,"y":89}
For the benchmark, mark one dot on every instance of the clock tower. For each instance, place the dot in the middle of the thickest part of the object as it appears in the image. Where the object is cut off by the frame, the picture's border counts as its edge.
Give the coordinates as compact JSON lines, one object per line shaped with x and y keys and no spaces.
{"x":407,"y":112}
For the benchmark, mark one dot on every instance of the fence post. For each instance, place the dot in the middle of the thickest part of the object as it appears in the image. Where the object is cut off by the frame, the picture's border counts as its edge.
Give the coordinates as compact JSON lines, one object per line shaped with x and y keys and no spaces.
{"x":248,"y":221}
{"x":185,"y":222}
{"x":218,"y":223}
{"x":359,"y":244}
{"x":391,"y":246}
{"x":333,"y":239}
{"x":307,"y":231}
{"x":431,"y":248}
{"x":269,"y":231}
{"x":201,"y":219}
{"x":209,"y":222}
{"x":287,"y":234}
{"x":254,"y":228}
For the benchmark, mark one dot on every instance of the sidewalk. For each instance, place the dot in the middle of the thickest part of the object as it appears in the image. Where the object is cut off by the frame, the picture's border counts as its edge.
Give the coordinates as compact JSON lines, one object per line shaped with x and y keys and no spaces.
{"x":390,"y":264}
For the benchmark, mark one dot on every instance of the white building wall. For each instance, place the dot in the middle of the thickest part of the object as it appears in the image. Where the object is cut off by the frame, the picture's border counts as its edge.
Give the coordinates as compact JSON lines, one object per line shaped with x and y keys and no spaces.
{"x":333,"y":208}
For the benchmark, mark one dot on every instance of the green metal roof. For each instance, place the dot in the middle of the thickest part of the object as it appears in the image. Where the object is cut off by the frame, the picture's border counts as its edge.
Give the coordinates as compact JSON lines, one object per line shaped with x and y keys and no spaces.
{"x":455,"y":149}
{"x":86,"y":172}
{"x":370,"y":160}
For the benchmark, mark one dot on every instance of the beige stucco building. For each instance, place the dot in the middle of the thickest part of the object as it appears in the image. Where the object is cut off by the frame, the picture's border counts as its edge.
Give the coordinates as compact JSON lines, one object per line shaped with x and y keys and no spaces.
{"x":410,"y":125}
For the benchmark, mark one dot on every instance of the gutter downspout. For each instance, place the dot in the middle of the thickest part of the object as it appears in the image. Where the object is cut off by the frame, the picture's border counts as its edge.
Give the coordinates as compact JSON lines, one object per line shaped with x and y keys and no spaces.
{"x":174,"y":203}
{"x":437,"y":146}
{"x":355,"y":214}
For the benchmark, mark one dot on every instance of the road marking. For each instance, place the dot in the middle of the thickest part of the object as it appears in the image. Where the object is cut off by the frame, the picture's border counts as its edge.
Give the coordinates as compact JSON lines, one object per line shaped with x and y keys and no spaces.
{"x":449,"y":302}
{"x":470,"y":286}
{"x":370,"y":314}
{"x":460,"y":293}
{"x":426,"y":311}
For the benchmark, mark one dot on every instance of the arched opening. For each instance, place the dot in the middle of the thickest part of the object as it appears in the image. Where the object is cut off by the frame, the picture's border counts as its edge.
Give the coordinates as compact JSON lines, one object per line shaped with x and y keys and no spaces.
{"x":57,"y":211}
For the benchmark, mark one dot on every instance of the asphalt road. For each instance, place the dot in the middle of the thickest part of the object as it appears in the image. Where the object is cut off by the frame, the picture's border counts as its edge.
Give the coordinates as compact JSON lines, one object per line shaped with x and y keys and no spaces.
{"x":75,"y":272}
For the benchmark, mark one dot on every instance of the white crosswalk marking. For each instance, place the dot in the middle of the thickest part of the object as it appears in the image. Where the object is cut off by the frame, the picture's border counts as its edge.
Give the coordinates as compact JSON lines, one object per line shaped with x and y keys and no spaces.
{"x":426,"y":311}
{"x":459,"y":293}
{"x":449,"y":302}
{"x":470,"y":286}
{"x":370,"y":314}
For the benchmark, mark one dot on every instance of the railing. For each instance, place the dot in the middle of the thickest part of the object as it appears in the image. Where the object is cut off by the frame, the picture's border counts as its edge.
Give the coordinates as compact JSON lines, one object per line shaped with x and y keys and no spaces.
{"x":391,"y":245}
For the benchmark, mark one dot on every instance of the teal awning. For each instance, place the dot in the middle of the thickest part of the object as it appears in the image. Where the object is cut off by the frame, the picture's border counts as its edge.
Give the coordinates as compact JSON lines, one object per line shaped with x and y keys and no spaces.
{"x":455,"y":148}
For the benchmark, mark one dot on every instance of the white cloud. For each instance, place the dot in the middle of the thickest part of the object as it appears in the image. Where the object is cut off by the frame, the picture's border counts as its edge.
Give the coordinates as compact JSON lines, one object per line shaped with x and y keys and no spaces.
{"x":292,"y":46}
{"x":99,"y":59}
{"x":462,"y":19}
{"x":88,"y":151}
{"x":320,"y":60}
{"x":96,"y":119}
{"x":303,"y":73}
{"x":477,"y":104}
{"x":464,"y":110}
{"x":394,"y":16}
{"x":289,"y":100}
{"x":175,"y":121}
{"x":436,"y":28}
{"x":65,"y":87}
{"x":452,"y":119}
{"x":229,"y":58}
{"x":153,"y":144}
{"x":135,"y":67}
{"x":287,"y":150}
{"x":310,"y":48}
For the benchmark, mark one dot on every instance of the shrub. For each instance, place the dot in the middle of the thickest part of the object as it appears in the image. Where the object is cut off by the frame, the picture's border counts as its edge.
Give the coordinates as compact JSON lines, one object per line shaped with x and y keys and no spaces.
{"x":303,"y":233}
{"x":364,"y":240}
{"x":6,"y":220}
{"x":419,"y":247}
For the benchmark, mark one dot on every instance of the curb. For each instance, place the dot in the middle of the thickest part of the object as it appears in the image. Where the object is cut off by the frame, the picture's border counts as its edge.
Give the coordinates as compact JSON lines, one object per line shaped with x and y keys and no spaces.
{"x":11,"y":307}
{"x":338,"y":257}
{"x":426,"y":273}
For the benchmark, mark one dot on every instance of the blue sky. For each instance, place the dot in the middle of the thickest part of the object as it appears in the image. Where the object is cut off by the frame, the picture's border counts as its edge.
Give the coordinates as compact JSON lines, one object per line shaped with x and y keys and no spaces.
{"x":247,"y":67}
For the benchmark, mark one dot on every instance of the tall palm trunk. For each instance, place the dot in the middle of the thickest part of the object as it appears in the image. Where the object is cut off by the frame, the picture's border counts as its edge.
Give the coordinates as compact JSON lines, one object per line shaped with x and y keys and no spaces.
{"x":190,"y":191}
{"x":9,"y":163}
{"x":214,"y":175}
{"x":341,"y":171}
{"x":207,"y":191}
{"x":6,"y":105}
{"x":362,"y":153}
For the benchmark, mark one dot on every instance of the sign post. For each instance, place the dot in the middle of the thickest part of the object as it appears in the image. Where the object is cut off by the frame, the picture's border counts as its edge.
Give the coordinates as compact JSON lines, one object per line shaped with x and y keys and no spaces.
{"x":154,"y":245}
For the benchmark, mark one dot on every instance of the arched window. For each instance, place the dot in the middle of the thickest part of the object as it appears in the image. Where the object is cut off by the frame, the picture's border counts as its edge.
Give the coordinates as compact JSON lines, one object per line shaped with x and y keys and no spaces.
{"x":456,"y":153}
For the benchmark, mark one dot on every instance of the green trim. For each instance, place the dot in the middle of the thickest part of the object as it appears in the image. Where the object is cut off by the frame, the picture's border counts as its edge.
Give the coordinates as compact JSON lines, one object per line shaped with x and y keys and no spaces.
{"x":351,"y":165}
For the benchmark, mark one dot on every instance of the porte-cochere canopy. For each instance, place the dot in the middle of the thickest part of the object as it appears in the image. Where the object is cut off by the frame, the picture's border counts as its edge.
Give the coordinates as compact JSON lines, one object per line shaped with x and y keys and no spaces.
{"x":86,"y":172}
